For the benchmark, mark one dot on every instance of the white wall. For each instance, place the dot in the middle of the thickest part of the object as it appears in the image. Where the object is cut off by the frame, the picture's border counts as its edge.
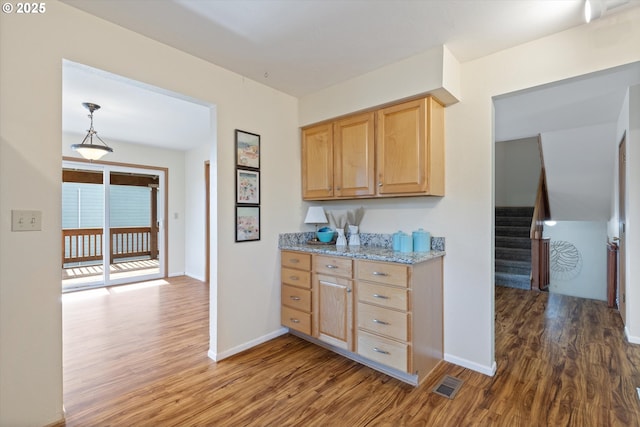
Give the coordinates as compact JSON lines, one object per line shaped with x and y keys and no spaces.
{"x":518,"y":169}
{"x":465,"y":214}
{"x":137,"y":154}
{"x":418,"y":74}
{"x":633,"y":217}
{"x":195,"y":220}
{"x":32,"y":51}
{"x":589,"y":277}
{"x":578,"y":167}
{"x":629,"y":125}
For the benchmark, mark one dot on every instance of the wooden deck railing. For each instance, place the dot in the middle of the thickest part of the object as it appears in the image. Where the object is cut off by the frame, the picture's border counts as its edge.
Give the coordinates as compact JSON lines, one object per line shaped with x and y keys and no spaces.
{"x":85,"y":244}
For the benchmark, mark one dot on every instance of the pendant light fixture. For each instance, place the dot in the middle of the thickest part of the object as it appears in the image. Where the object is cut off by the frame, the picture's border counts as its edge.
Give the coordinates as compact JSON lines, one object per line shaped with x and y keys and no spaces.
{"x":89,"y":150}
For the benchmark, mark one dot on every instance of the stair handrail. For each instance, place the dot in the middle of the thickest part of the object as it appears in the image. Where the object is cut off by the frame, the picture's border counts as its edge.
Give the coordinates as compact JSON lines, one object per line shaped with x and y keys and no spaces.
{"x":541,"y":209}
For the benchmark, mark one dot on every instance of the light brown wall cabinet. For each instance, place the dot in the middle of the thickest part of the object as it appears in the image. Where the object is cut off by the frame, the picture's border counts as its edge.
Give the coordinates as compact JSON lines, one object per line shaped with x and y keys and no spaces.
{"x":385,"y":315}
{"x":389,"y":152}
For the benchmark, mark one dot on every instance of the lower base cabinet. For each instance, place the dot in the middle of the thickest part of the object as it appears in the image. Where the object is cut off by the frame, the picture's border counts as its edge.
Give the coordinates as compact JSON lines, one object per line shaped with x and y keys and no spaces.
{"x":385,"y":315}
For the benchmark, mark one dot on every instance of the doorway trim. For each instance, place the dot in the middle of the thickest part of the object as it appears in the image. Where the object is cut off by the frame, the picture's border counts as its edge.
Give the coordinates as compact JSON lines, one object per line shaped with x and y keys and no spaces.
{"x":622,"y":214}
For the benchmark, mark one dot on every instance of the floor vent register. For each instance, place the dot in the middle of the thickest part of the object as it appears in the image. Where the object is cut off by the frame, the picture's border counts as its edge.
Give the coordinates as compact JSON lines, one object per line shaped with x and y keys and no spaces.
{"x":448,"y":386}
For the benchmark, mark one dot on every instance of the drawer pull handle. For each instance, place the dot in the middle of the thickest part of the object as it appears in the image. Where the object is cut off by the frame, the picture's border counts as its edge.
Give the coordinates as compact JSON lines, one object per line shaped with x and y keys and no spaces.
{"x":294,"y":320}
{"x":380,"y":296}
{"x":380,"y":322}
{"x":294,"y":277}
{"x":379,"y":273}
{"x":378,"y":350}
{"x":294,"y":261}
{"x":331,"y":266}
{"x":295,"y":298}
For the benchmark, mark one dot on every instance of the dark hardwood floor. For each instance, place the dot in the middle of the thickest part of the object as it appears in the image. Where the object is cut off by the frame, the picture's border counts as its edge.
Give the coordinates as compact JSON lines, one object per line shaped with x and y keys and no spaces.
{"x":139,"y":358}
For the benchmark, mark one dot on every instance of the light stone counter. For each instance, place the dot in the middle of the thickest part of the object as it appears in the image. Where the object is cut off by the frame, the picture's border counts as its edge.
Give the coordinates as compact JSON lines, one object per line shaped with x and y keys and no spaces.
{"x":374,"y":247}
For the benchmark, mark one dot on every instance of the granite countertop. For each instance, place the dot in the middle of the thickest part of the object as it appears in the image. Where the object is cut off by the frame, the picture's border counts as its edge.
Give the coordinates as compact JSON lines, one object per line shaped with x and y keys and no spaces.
{"x":379,"y":250}
{"x":367,"y":252}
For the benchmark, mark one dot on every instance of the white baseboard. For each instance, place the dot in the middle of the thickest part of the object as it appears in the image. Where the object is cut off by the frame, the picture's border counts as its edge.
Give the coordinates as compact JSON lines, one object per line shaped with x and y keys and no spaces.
{"x":632,"y":339}
{"x":194,"y":276}
{"x":242,"y":347}
{"x":180,"y":273}
{"x":483,"y":369}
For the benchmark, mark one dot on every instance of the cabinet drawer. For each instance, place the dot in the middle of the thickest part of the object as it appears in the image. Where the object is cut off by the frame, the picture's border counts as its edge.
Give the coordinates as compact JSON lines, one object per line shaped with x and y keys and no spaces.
{"x":383,"y":321}
{"x":383,"y":350}
{"x":296,"y":260}
{"x":334,"y":266}
{"x":296,"y":319}
{"x":385,"y":296}
{"x":297,"y":298}
{"x":296,"y":277}
{"x":381,"y":272}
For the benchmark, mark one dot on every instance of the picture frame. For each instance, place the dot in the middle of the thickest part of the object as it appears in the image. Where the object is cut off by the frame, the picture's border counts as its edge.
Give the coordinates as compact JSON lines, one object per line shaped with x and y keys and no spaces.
{"x":247,"y":149}
{"x":247,"y":223}
{"x":247,"y":187}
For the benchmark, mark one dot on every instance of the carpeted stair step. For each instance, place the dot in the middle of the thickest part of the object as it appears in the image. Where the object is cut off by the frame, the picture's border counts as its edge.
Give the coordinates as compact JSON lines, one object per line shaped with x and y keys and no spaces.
{"x":513,"y":280}
{"x":525,"y":211}
{"x":513,"y":267}
{"x":512,"y":231}
{"x":513,"y":254}
{"x":513,"y":221}
{"x":513,"y":242}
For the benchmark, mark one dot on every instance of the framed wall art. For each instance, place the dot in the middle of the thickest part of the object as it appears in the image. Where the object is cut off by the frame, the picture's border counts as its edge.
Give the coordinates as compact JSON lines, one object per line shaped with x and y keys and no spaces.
{"x":247,"y":187}
{"x":247,"y":149}
{"x":247,"y":223}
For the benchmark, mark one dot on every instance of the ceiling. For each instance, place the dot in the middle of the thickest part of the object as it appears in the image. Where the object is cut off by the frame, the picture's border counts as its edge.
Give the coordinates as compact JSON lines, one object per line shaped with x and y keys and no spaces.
{"x":130,"y":111}
{"x":299,"y":47}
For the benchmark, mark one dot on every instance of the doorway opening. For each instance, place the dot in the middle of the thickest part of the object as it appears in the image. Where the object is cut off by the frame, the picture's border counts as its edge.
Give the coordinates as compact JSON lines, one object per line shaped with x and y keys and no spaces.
{"x":113,"y":227}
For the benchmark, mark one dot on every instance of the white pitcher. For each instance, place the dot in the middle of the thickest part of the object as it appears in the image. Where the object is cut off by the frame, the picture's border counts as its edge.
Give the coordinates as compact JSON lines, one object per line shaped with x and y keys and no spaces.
{"x":354,"y":237}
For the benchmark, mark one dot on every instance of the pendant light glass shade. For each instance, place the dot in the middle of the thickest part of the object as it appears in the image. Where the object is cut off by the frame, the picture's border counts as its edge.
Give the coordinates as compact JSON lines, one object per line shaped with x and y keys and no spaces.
{"x":87,"y":148}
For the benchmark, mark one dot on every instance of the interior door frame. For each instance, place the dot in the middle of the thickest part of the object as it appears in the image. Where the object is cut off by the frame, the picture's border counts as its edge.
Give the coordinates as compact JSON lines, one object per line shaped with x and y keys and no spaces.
{"x":622,"y":177}
{"x":162,"y":197}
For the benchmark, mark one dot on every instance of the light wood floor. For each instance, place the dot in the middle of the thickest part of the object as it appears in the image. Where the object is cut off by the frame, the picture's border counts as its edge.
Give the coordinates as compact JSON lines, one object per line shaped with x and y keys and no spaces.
{"x":139,"y":358}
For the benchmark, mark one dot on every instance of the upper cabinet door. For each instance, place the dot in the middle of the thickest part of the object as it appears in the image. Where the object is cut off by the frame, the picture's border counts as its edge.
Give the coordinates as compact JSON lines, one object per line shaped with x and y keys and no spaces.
{"x":402,"y":154}
{"x":317,"y":162}
{"x":354,"y":160}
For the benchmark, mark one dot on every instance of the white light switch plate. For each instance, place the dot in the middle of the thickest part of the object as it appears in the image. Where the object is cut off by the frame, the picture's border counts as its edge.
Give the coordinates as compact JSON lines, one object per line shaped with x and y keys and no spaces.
{"x":26,"y":220}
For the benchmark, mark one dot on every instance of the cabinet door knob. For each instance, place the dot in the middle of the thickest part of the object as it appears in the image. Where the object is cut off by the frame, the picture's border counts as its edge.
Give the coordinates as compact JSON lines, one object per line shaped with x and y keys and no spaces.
{"x":380,"y":184}
{"x":378,"y":350}
{"x":294,"y":278}
{"x":294,"y":298}
{"x":380,"y":322}
{"x":294,"y":261}
{"x":331,"y":266}
{"x":379,"y":273}
{"x":294,"y":320}
{"x":380,"y":296}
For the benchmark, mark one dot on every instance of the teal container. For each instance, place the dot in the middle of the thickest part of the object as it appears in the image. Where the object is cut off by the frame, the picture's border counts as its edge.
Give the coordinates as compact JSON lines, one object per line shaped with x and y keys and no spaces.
{"x":406,"y":243}
{"x":396,"y":240}
{"x":421,"y":241}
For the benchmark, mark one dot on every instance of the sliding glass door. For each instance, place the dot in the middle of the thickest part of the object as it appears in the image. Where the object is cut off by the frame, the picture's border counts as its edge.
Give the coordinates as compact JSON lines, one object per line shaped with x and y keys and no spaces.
{"x":112,"y":229}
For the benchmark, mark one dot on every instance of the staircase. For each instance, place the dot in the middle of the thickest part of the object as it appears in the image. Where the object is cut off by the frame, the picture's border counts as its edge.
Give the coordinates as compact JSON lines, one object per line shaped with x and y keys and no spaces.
{"x":513,"y":247}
